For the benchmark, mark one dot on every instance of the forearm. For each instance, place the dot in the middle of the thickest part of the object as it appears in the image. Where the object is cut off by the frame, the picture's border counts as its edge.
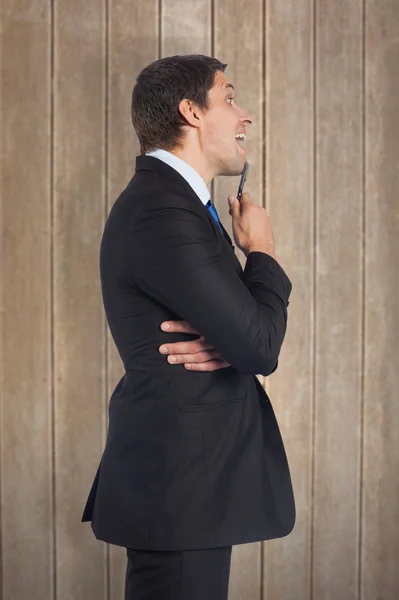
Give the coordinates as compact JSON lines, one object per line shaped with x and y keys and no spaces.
{"x":271,"y":288}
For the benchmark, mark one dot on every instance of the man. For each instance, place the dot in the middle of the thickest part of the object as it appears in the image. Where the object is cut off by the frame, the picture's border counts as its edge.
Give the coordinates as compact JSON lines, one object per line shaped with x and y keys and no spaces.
{"x":194,"y":461}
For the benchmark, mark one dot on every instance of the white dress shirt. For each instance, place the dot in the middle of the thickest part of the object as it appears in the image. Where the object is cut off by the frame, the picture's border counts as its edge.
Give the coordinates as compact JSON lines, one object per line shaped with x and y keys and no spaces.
{"x":193,"y":178}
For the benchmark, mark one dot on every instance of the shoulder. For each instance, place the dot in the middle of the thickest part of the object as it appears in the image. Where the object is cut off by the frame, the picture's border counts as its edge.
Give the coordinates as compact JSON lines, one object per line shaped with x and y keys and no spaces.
{"x":144,"y":208}
{"x":138,"y":199}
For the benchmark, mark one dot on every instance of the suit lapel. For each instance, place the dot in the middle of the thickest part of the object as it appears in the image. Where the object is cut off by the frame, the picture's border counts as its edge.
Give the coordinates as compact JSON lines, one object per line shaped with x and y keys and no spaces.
{"x":150,"y":163}
{"x":226,"y":235}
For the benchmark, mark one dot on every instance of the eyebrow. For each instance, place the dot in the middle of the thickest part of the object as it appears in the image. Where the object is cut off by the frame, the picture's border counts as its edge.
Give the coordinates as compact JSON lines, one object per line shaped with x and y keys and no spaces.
{"x":229,"y":85}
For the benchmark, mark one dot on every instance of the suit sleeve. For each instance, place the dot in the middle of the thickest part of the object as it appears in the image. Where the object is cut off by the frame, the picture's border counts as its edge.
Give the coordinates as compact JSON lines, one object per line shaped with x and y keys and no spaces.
{"x":176,"y":261}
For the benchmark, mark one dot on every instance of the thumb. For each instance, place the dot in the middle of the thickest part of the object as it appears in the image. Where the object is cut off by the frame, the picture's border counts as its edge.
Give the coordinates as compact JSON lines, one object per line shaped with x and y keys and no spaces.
{"x":234,"y":205}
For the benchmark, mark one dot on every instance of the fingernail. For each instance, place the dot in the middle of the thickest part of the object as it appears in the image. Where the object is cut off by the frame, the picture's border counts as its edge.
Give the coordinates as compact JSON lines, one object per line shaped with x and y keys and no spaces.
{"x":163,"y":349}
{"x":172,"y":358}
{"x":188,"y":366}
{"x":165,"y":326}
{"x":231,"y":199}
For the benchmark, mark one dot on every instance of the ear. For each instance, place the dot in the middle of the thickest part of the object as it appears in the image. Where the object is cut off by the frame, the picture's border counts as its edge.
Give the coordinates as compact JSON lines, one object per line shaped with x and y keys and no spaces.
{"x":190,"y":112}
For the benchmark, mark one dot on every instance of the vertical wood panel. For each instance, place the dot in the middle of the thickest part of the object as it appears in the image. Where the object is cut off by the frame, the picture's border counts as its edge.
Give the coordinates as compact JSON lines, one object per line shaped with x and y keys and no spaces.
{"x":238,"y":41}
{"x":234,"y":23}
{"x":185,"y":27}
{"x":339,"y":196}
{"x":26,"y":502}
{"x":94,"y":158}
{"x":79,"y":320}
{"x":289,"y":184}
{"x":380,"y":523}
{"x":133,"y":44}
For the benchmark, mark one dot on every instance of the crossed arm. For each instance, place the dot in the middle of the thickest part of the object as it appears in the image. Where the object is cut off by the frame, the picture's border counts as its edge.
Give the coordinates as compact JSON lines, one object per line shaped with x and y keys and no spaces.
{"x":242,"y":321}
{"x":196,"y":355}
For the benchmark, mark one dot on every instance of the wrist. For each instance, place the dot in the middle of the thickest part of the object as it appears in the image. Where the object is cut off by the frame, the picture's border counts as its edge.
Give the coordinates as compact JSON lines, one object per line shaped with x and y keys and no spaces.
{"x":262,"y":248}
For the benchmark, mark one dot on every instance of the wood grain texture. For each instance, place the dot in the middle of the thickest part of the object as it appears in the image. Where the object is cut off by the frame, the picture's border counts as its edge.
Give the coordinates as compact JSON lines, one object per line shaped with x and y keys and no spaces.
{"x":323,"y":149}
{"x":185,"y":27}
{"x":133,"y":44}
{"x":380,"y":515}
{"x":79,"y":322}
{"x":26,"y":411}
{"x":289,"y":201}
{"x":338,"y":317}
{"x":234,"y":22}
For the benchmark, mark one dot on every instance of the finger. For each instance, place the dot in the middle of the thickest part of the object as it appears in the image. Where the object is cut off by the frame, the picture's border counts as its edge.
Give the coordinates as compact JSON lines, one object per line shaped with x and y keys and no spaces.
{"x":246,"y":198}
{"x":194,"y":358}
{"x":178,"y":327}
{"x":234,"y":206}
{"x":185,"y":347}
{"x":211,"y":365}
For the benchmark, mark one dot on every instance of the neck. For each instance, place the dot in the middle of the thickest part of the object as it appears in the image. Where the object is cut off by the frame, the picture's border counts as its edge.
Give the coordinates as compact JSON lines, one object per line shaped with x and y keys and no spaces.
{"x":197,"y":161}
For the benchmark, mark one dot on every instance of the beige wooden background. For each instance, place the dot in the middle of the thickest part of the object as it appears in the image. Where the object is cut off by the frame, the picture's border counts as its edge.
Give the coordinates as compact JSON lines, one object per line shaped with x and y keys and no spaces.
{"x":321,"y":79}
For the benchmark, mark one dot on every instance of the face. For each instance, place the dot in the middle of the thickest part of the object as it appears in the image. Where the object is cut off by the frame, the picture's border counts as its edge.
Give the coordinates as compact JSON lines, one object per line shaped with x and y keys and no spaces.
{"x":220,"y":125}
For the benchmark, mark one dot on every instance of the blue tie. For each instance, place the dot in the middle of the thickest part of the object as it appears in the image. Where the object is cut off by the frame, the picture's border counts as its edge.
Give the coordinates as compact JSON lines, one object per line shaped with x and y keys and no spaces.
{"x":212,"y":209}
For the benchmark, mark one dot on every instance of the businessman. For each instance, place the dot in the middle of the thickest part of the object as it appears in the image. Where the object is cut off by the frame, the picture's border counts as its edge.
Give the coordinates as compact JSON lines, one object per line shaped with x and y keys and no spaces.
{"x":194,"y":462}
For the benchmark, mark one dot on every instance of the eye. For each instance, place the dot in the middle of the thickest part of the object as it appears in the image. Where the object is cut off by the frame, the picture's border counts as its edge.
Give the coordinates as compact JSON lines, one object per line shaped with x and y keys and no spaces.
{"x":230,"y":99}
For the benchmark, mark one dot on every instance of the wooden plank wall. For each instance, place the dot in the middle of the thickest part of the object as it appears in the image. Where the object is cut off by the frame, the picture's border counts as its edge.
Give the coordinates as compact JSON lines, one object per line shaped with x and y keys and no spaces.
{"x":321,"y":82}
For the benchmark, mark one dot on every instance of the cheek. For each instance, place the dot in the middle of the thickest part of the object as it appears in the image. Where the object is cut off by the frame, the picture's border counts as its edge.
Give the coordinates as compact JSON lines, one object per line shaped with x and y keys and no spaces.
{"x":222,"y":129}
{"x":213,"y":134}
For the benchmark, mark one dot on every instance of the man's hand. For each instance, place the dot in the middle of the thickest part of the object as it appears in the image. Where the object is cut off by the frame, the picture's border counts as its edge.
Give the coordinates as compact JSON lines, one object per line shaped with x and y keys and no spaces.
{"x":196,"y":355}
{"x":252,"y":229}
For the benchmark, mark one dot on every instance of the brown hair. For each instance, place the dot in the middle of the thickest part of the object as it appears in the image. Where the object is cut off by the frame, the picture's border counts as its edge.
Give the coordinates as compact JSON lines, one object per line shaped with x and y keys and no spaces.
{"x":159,"y":89}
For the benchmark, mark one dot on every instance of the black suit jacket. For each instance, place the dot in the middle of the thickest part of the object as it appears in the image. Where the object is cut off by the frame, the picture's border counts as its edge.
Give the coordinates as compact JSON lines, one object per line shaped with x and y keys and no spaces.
{"x":192,"y":459}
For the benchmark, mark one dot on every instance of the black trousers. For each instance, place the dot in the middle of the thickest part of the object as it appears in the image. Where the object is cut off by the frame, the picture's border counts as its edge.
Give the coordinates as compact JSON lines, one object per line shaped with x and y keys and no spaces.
{"x":178,"y":575}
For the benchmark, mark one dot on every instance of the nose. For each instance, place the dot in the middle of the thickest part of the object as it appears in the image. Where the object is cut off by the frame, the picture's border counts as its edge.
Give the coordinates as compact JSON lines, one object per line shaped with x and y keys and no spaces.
{"x":245,"y":118}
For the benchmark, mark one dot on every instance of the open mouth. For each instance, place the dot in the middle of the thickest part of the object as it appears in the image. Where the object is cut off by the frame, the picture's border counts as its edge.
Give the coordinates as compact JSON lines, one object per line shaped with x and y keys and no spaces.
{"x":240,"y":140}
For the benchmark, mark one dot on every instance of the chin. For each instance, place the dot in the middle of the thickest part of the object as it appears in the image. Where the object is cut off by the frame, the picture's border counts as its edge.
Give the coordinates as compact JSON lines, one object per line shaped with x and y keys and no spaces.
{"x":234,"y":167}
{"x":241,"y":159}
{"x":240,"y":162}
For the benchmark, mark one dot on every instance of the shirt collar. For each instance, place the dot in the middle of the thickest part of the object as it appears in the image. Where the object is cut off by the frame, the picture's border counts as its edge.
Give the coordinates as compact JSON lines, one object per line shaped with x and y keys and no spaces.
{"x":193,"y":178}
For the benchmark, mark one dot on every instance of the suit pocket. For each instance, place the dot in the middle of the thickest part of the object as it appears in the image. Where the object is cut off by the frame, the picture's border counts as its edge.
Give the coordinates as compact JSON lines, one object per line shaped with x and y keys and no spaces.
{"x":210,"y":406}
